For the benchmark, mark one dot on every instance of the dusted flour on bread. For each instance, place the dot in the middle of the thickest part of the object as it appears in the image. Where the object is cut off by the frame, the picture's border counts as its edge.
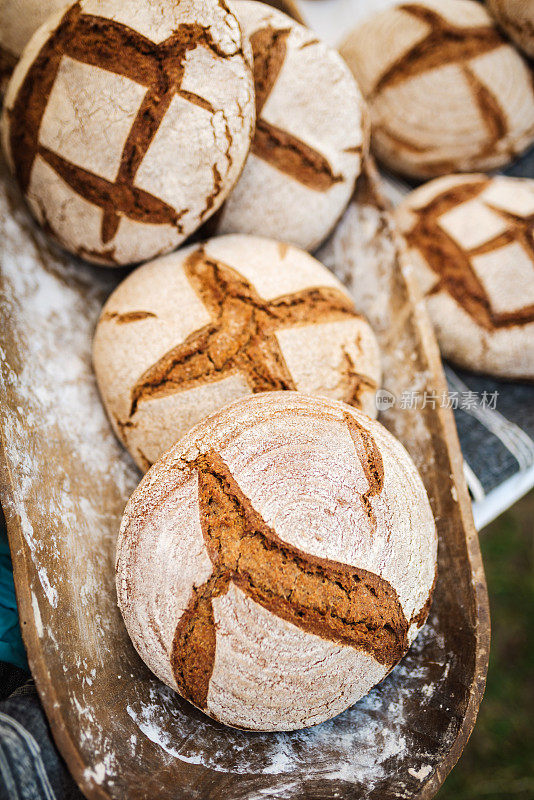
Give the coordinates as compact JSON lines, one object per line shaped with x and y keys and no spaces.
{"x":278,"y":561}
{"x":126,"y":124}
{"x":311,"y":134}
{"x":236,"y":315}
{"x":446,"y":90}
{"x":470,"y":240}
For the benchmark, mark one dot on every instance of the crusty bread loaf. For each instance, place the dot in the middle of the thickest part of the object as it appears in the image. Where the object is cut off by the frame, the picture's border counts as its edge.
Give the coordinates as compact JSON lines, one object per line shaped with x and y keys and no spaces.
{"x":184,"y":335}
{"x":278,"y":561}
{"x":126,"y":124}
{"x":471,"y":242}
{"x":311,"y":134}
{"x":446,"y":90}
{"x":516,"y":17}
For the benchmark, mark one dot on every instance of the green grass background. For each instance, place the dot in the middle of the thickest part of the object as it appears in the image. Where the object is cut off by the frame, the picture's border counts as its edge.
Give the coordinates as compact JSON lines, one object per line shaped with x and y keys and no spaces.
{"x":498,"y":762}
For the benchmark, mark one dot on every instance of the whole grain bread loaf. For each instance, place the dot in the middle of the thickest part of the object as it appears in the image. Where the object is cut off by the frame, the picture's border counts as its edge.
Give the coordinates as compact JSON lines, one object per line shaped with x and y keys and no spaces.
{"x":470,"y":239}
{"x":236,"y":315}
{"x":278,"y":561}
{"x":311,"y":135}
{"x":438,"y":77}
{"x":127,"y":124}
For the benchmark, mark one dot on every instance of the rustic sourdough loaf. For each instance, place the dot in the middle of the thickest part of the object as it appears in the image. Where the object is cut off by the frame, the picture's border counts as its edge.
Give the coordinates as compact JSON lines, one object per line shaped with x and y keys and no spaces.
{"x":126,"y":124}
{"x":278,"y":561}
{"x":471,"y":242}
{"x":311,"y":134}
{"x":184,"y":335}
{"x":516,"y":17}
{"x":20,"y":19}
{"x":447,"y":92}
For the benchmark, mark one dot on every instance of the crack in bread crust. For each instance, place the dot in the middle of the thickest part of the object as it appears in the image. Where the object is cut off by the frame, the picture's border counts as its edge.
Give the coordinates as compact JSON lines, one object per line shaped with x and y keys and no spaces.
{"x":112,"y":46}
{"x":445,"y":44}
{"x":282,"y":150}
{"x":452,"y":264}
{"x":241,"y":337}
{"x":337,"y":602}
{"x":371,"y":460}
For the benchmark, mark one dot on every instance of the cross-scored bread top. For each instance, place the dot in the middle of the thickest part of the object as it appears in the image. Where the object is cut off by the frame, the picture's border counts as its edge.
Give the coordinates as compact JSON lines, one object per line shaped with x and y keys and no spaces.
{"x":127,"y":130}
{"x":311,"y":133}
{"x":182,"y":336}
{"x":472,"y":241}
{"x":288,"y":528}
{"x":437,"y":75}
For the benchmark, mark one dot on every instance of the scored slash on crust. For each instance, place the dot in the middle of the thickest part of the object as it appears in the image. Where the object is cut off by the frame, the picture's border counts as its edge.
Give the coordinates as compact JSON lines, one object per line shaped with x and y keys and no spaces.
{"x":241,"y":336}
{"x":341,"y":603}
{"x":112,"y":46}
{"x":277,"y":147}
{"x":452,"y":263}
{"x":447,"y":44}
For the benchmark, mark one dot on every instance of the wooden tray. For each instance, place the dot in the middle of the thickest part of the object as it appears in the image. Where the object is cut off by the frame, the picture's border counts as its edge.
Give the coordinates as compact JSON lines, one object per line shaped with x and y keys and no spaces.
{"x":65,"y":481}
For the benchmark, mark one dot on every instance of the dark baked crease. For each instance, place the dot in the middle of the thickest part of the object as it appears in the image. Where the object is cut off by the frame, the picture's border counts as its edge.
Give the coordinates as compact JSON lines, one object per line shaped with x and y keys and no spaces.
{"x":112,"y":46}
{"x":447,"y":43}
{"x":452,"y":264}
{"x":127,"y":316}
{"x":240,"y":338}
{"x":278,"y":147}
{"x":370,"y":458}
{"x":340,"y":603}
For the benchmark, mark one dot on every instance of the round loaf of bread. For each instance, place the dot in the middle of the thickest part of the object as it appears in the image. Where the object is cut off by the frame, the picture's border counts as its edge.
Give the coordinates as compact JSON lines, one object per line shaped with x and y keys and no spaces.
{"x":278,"y":561}
{"x":471,"y":241}
{"x":311,"y":133}
{"x":20,"y":19}
{"x":126,"y":124}
{"x":447,"y":92}
{"x":186,"y":334}
{"x":516,"y":17}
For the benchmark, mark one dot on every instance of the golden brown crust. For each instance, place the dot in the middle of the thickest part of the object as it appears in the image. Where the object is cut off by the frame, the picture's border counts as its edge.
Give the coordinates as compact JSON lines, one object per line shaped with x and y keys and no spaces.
{"x":112,"y":46}
{"x":279,"y":148}
{"x":419,"y":618}
{"x":241,"y":335}
{"x":453,"y":264}
{"x":337,"y":602}
{"x":445,"y":43}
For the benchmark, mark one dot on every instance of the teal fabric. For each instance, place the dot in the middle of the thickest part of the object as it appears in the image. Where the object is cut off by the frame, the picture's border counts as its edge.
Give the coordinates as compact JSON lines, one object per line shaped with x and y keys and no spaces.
{"x":11,"y":646}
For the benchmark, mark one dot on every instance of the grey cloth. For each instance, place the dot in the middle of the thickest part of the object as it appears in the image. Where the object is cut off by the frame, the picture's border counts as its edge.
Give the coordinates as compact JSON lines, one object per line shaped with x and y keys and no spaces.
{"x":497,"y":439}
{"x":30,"y":766}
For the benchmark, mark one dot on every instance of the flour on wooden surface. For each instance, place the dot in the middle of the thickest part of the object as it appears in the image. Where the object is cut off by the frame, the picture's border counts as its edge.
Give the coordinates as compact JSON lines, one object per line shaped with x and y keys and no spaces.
{"x":69,"y":509}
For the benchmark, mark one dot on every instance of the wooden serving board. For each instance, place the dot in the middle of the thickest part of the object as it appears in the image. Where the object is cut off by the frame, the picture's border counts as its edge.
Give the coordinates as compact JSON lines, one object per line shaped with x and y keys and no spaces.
{"x":65,"y":481}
